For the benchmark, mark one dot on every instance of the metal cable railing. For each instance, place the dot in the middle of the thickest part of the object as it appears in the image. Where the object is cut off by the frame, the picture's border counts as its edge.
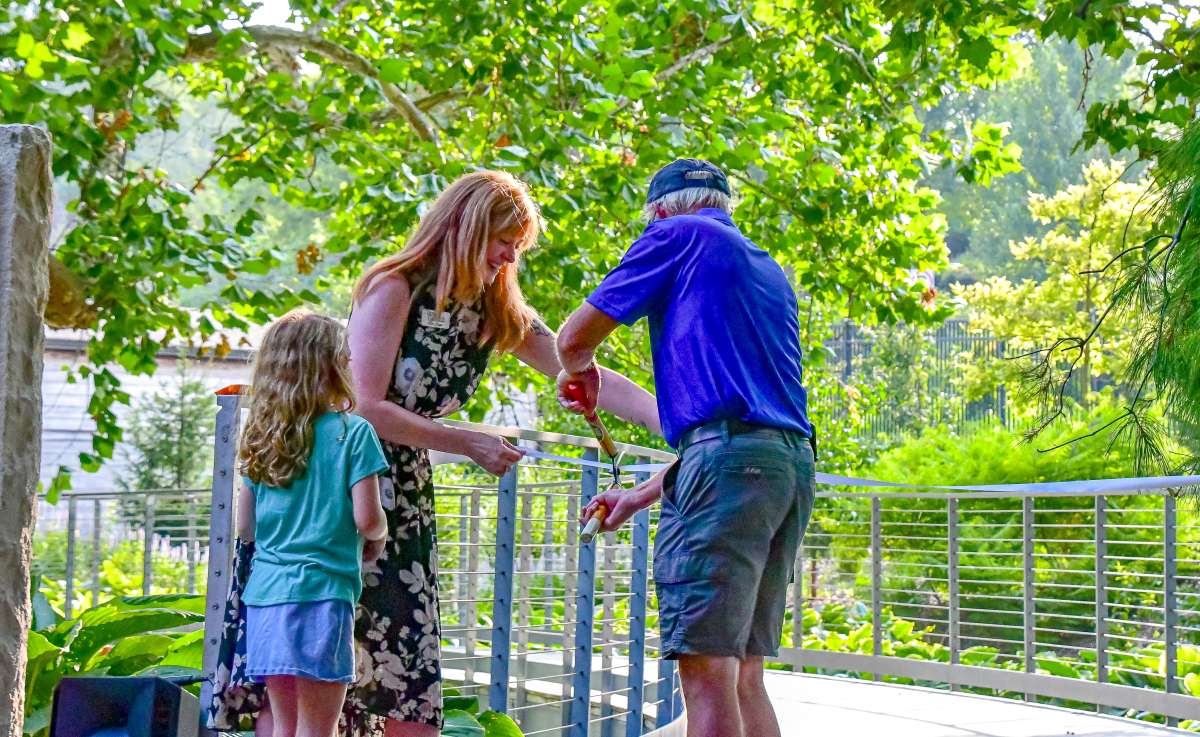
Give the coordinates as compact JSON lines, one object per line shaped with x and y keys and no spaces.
{"x":1082,"y":599}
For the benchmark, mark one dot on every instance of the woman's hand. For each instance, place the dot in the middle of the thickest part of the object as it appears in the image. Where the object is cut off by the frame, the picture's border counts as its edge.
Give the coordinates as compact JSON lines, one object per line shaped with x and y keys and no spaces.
{"x":622,"y":504}
{"x":495,"y":455}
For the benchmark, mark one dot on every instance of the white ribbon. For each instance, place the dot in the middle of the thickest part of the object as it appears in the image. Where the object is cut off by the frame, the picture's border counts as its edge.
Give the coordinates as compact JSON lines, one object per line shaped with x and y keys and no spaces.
{"x":1118,"y":485}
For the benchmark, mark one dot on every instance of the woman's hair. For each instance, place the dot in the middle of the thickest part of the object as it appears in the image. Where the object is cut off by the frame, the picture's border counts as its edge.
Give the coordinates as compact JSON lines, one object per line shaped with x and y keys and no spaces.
{"x":452,"y":240}
{"x":301,"y":371}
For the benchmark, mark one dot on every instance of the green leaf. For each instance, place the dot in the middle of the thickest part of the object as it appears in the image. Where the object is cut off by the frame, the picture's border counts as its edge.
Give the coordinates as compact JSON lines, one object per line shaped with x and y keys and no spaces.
{"x":131,"y":654}
{"x":25,"y":44}
{"x":461,"y":724}
{"x":106,"y":624}
{"x":38,"y":646}
{"x":1056,"y":667}
{"x":38,"y":720}
{"x":1192,"y":683}
{"x":469,"y":704}
{"x":393,"y":70}
{"x":172,"y":672}
{"x":77,"y":37}
{"x":187,"y":651}
{"x":45,"y":616}
{"x":496,"y":724}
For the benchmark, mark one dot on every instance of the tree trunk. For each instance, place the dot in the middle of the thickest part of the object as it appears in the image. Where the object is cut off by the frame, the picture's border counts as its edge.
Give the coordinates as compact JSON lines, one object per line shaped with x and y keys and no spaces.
{"x":25,"y":207}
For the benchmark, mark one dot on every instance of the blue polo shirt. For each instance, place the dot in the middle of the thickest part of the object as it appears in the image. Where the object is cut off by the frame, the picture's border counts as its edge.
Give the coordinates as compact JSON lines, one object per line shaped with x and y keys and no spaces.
{"x":723,"y":324}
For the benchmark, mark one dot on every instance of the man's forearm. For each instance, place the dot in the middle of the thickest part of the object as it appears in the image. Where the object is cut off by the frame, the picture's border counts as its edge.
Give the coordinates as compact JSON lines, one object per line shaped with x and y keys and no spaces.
{"x":576,"y":360}
{"x":580,"y":336}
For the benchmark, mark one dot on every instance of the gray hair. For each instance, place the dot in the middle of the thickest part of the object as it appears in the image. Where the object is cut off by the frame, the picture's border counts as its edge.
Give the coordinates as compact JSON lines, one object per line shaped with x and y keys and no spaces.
{"x":687,"y":200}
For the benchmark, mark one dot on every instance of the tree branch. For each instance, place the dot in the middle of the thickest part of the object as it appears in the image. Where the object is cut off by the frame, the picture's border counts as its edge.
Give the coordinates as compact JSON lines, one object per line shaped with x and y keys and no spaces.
{"x":203,"y":47}
{"x":680,"y":64}
{"x":865,"y":68}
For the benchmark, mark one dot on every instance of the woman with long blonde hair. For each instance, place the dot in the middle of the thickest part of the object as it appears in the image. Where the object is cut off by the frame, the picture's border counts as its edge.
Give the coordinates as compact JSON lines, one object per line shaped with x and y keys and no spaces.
{"x":425,"y":322}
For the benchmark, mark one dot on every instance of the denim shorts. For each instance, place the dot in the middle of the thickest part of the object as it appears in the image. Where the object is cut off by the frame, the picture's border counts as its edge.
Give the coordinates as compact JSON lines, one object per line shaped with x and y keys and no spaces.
{"x":726,"y":545}
{"x":310,"y":639}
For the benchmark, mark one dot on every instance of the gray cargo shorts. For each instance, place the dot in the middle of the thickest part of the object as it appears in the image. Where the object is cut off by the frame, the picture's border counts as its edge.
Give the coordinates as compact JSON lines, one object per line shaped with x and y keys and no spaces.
{"x":726,"y":544}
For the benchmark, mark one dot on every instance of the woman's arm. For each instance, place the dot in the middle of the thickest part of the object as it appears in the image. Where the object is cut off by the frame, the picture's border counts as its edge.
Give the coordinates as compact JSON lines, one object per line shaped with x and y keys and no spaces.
{"x":618,"y":394}
{"x":375,"y":331}
{"x":245,"y":513}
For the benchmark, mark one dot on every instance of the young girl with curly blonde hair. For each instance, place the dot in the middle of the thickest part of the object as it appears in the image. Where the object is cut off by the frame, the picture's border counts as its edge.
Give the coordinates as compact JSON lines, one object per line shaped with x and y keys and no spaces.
{"x":310,"y":501}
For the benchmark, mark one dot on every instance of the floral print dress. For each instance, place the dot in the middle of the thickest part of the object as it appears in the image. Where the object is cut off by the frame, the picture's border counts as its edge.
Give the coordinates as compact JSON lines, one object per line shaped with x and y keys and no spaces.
{"x":396,"y":627}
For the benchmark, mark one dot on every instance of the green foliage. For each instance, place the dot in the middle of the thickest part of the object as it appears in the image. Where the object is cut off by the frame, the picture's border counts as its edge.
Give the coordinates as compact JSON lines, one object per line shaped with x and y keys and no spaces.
{"x":464,"y":719}
{"x":847,"y":628}
{"x":170,"y":447}
{"x":1090,"y":223}
{"x":170,"y":438}
{"x":120,"y":570}
{"x":1039,"y":105}
{"x":359,"y":120}
{"x":1158,"y":285}
{"x":124,"y":636}
{"x":996,"y":455}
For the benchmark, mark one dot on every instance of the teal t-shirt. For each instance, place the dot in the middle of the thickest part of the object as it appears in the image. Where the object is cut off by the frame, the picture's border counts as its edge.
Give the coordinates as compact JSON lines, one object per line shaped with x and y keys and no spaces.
{"x":307,"y":547}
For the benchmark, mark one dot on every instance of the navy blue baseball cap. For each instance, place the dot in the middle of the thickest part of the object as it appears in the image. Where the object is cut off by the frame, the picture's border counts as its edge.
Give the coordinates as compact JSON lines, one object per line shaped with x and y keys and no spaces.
{"x":685,"y":174}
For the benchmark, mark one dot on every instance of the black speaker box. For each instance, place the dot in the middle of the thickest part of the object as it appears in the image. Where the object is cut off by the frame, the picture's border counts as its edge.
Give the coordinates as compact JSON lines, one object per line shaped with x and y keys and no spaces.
{"x":123,"y":707}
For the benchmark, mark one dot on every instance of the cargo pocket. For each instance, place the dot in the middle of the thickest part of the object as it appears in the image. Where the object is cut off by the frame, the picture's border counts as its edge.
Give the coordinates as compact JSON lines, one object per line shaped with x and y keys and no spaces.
{"x":686,"y":568}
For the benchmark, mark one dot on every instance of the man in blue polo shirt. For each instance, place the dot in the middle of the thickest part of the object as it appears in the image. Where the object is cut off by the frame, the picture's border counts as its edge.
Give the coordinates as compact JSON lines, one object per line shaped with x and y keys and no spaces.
{"x":727,"y":368}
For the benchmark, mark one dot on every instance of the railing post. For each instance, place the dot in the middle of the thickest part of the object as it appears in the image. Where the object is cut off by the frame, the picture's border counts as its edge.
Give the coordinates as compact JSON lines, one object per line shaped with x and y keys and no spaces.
{"x":472,"y":583}
{"x":506,"y":532}
{"x":570,"y":590}
{"x":666,"y":692}
{"x":637,"y":618}
{"x":97,"y":519}
{"x":876,"y":581}
{"x":1101,"y":589}
{"x":798,"y":597}
{"x":220,"y":538}
{"x":521,"y":579}
{"x":1170,"y":615}
{"x":191,"y":543}
{"x":585,"y":609}
{"x":461,"y":591}
{"x":608,"y":678}
{"x":69,"y":604}
{"x":1027,"y":579}
{"x":148,"y":545}
{"x":952,"y":575}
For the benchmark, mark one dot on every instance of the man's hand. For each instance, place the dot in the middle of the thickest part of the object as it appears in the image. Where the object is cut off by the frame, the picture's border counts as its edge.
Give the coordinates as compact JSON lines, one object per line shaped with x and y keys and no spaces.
{"x":584,"y":395}
{"x":372,"y":549}
{"x":622,"y":504}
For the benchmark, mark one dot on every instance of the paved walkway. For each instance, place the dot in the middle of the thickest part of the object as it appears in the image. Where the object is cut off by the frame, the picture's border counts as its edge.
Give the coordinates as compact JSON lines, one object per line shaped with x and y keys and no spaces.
{"x":817,"y":705}
{"x":820,"y":706}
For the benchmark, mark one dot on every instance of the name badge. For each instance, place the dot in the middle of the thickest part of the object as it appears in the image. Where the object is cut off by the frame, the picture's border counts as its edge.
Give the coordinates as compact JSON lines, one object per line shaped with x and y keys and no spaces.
{"x":434,"y":319}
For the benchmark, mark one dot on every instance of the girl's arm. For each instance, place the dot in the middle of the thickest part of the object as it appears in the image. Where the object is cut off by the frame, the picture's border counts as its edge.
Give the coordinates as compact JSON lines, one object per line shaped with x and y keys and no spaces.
{"x":245,"y":513}
{"x":375,"y":331}
{"x":368,"y":511}
{"x":618,"y":394}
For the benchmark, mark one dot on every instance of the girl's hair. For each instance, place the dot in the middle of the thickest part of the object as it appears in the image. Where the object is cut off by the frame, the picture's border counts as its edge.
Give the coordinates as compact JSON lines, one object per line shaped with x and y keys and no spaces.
{"x":300,"y":372}
{"x":452,"y":240}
